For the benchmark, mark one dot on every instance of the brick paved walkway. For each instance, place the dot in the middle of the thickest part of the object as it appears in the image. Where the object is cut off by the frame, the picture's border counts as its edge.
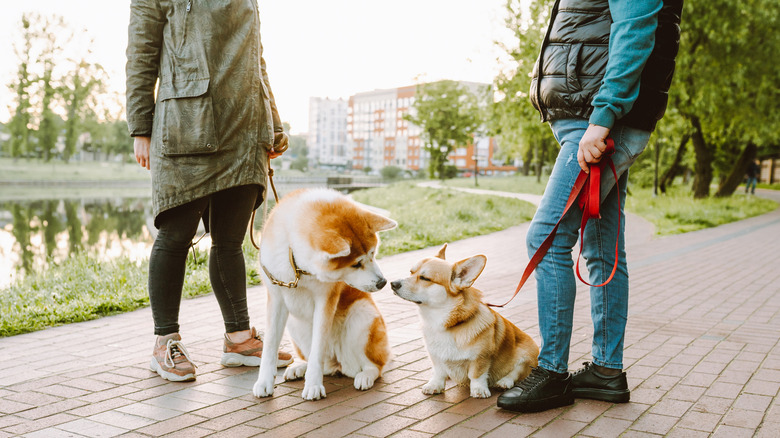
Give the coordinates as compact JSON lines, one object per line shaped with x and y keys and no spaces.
{"x":702,"y":356}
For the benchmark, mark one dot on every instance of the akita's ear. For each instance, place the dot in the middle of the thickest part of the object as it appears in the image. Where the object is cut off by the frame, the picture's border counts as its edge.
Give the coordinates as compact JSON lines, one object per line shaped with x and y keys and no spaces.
{"x":379,"y":223}
{"x":465,"y":272}
{"x":333,"y":245}
{"x":441,"y":251}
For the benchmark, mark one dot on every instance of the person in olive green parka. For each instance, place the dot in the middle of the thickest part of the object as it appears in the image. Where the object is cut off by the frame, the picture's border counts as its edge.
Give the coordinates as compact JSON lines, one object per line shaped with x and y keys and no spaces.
{"x":206,"y":135}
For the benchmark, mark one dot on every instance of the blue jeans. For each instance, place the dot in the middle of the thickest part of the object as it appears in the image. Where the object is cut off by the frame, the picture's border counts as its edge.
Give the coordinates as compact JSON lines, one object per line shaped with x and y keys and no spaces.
{"x":751,"y":185}
{"x":556,"y":283}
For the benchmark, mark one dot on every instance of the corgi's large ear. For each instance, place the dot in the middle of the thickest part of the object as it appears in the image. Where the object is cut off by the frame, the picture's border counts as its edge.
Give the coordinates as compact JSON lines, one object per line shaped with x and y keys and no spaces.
{"x":333,"y":245}
{"x":465,"y":272}
{"x":378,"y":223}
{"x":441,"y":251}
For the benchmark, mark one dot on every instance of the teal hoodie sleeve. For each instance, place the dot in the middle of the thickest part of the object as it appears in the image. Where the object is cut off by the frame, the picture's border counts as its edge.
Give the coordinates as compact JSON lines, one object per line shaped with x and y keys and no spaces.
{"x":632,"y":37}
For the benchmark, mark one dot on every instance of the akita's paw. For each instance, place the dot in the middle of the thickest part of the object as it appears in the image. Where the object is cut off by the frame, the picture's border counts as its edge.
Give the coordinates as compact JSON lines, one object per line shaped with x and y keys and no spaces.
{"x":263,"y":388}
{"x":480,"y":392}
{"x":505,"y":383}
{"x":313,"y":392}
{"x":365,"y":380}
{"x":431,"y":388}
{"x":295,"y":371}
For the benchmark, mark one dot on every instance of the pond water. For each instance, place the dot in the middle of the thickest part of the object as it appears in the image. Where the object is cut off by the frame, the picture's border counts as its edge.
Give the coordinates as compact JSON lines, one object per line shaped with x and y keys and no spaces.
{"x":45,"y":224}
{"x":34,"y":232}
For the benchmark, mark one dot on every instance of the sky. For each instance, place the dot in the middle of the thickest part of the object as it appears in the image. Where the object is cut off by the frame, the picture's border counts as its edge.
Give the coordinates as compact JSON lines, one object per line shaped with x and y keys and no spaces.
{"x":313,"y":48}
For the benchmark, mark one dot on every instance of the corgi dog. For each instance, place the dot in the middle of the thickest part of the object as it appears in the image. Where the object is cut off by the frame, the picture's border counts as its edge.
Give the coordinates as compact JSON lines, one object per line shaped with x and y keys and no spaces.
{"x":318,"y":257}
{"x":467,"y":341}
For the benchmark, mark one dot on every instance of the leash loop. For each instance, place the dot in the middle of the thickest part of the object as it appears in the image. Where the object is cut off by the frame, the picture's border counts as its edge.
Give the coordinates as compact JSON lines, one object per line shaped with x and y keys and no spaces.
{"x":589,"y":200}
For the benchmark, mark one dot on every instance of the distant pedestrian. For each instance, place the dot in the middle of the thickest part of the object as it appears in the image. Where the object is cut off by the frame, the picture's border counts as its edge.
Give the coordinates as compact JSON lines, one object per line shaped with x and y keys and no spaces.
{"x":206,"y":137}
{"x":594,"y":58}
{"x":753,"y":172}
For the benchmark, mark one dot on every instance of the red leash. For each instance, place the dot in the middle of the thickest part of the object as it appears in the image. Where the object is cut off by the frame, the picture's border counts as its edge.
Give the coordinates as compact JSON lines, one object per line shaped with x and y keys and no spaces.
{"x":589,"y":201}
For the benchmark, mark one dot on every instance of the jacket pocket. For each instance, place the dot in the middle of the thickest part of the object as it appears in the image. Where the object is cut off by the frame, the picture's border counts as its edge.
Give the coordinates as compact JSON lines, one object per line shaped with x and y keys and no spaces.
{"x":188,"y":126}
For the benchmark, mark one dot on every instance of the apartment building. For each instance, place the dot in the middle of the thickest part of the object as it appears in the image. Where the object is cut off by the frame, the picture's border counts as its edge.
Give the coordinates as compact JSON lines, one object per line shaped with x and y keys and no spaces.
{"x":379,"y":136}
{"x":327,"y":139}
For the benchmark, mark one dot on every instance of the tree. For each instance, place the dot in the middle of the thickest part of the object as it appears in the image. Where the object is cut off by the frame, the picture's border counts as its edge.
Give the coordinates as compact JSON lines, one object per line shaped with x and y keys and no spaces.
{"x":390,"y":172}
{"x":725,"y":87}
{"x":53,"y":34}
{"x":513,"y":119}
{"x":447,"y":114}
{"x":18,"y":127}
{"x":78,"y":90}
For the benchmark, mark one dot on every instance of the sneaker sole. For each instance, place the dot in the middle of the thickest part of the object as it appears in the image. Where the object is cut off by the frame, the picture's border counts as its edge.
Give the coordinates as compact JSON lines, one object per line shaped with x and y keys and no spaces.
{"x":238,"y":360}
{"x":607,"y":395}
{"x":167,"y":375}
{"x":538,"y":405}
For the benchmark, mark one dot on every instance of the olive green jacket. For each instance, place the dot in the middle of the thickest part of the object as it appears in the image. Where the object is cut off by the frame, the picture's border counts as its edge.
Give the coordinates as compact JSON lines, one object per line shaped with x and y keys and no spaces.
{"x":212,"y":121}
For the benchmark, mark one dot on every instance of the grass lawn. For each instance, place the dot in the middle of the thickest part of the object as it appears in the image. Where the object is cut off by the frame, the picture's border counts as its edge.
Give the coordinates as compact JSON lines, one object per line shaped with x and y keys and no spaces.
{"x":672,"y":213}
{"x":677,"y":212}
{"x":38,"y":170}
{"x":513,"y":183}
{"x":82,"y":288}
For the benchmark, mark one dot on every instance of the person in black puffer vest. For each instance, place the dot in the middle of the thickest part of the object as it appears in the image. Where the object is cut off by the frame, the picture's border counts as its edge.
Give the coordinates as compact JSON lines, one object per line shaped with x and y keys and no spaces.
{"x":604,"y":70}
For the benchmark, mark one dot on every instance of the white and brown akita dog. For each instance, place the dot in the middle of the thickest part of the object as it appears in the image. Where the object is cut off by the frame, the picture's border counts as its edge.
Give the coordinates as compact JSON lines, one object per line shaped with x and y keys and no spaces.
{"x":467,"y":341}
{"x":318,"y":254}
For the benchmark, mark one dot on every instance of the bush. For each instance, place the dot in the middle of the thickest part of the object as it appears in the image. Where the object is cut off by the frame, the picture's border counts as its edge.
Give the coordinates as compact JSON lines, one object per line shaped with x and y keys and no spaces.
{"x":390,"y":172}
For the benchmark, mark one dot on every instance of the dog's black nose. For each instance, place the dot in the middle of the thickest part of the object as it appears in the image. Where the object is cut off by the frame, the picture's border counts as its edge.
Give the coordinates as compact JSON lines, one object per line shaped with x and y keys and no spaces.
{"x":381,"y":283}
{"x":395,"y":285}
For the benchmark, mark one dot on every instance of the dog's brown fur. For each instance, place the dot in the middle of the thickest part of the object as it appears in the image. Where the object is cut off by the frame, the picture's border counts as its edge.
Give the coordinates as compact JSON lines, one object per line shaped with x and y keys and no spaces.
{"x":467,"y":341}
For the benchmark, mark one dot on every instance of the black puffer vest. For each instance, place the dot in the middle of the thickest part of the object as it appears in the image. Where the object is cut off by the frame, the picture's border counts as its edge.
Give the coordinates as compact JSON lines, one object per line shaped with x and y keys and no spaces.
{"x":574,"y":58}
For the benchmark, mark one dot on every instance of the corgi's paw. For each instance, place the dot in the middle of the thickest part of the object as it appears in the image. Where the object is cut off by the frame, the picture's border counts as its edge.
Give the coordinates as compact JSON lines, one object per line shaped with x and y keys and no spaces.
{"x":263,"y":387}
{"x":505,"y":383}
{"x":479,"y":391}
{"x":295,"y":371}
{"x":313,"y":392}
{"x":432,"y":387}
{"x":365,"y":380}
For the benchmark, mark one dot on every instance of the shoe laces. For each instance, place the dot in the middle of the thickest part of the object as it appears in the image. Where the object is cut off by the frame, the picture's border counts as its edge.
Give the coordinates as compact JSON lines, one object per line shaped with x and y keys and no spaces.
{"x":537,"y":376}
{"x":175,"y":349}
{"x":585,"y":367}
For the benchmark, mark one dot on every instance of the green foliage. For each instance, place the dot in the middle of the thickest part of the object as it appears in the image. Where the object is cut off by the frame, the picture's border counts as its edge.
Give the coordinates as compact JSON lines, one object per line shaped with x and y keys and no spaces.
{"x":390,"y":172}
{"x":514,"y":183}
{"x":301,"y":163}
{"x":724,"y":85}
{"x":513,"y":119}
{"x":78,"y":289}
{"x":448,"y":115}
{"x":428,"y":217}
{"x":19,"y":142}
{"x":678,"y":212}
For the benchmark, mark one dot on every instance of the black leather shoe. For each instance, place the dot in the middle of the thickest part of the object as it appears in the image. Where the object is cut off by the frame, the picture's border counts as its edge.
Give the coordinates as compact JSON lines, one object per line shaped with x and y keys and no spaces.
{"x":589,"y":383}
{"x":540,"y":391}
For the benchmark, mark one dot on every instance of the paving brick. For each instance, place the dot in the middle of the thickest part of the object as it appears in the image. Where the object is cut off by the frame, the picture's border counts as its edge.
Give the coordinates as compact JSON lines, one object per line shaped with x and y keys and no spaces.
{"x":560,"y":428}
{"x":743,"y":418}
{"x":681,"y":432}
{"x":701,"y":421}
{"x":725,"y":431}
{"x":171,"y":425}
{"x":700,"y":360}
{"x":606,"y":427}
{"x":339,"y":428}
{"x":28,"y":426}
{"x":278,"y":418}
{"x":439,"y":422}
{"x":511,"y":430}
{"x":91,"y":428}
{"x":653,"y":423}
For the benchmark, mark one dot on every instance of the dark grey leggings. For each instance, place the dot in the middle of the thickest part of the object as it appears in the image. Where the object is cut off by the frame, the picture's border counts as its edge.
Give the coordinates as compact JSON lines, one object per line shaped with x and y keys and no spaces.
{"x":228,"y":212}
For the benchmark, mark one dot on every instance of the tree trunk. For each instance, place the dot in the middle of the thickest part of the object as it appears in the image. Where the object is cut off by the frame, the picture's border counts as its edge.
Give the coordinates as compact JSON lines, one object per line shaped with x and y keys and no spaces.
{"x":704,"y":157}
{"x":675,"y":169}
{"x":529,"y":156}
{"x":738,"y":170}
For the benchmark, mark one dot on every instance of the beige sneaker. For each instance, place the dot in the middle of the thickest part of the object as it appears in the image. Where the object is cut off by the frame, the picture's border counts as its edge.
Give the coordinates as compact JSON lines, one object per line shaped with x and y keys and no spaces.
{"x":170,"y":359}
{"x":248,"y":353}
